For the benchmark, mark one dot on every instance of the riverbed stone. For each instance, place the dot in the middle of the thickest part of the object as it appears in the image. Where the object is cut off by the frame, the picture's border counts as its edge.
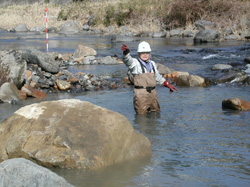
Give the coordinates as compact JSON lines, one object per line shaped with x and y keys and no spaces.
{"x":83,"y":51}
{"x":70,"y":27}
{"x":203,"y":24}
{"x":63,"y":85}
{"x":9,"y":93}
{"x":188,"y":33}
{"x":70,"y":134}
{"x":12,"y":67}
{"x":207,"y":35}
{"x":162,"y":69}
{"x":190,"y":80}
{"x":232,"y":76}
{"x":33,"y":92}
{"x":221,"y":67}
{"x":236,"y":104}
{"x":175,"y":33}
{"x":89,"y":60}
{"x":108,"y":60}
{"x":159,"y":35}
{"x":22,"y":172}
{"x":45,"y":61}
{"x":175,"y":75}
{"x":123,"y":38}
{"x":21,"y":28}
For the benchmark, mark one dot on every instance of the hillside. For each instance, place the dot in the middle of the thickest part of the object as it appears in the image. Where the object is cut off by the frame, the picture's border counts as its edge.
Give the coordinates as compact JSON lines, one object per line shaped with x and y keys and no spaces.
{"x":137,"y":15}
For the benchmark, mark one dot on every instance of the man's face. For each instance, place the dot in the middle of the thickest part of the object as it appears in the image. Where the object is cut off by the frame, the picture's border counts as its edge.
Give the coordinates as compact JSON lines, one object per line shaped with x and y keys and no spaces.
{"x":144,"y":56}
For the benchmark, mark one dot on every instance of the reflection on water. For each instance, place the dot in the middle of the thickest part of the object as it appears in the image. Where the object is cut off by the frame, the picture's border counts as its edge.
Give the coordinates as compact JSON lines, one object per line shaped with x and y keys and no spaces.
{"x":194,"y":141}
{"x":121,"y":174}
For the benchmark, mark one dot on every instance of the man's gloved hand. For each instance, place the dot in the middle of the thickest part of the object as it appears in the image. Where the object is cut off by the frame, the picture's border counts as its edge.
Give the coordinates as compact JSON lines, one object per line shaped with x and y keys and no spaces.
{"x":171,"y":87}
{"x":125,"y":49}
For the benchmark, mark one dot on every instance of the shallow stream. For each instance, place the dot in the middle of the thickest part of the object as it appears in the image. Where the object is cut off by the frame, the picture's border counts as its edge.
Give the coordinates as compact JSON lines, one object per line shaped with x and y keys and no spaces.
{"x":194,"y":141}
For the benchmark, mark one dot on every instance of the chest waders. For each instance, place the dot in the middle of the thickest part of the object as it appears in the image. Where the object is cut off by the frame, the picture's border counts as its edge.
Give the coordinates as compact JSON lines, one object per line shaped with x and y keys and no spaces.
{"x":145,"y":95}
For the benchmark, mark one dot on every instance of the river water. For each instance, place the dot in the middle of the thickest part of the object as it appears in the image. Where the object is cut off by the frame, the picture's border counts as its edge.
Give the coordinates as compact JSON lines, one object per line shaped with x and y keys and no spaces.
{"x":194,"y":141}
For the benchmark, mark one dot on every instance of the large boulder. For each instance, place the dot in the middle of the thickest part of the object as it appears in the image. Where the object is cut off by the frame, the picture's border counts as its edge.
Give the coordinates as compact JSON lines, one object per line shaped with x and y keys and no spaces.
{"x":70,"y":134}
{"x":21,"y":172}
{"x":12,"y":67}
{"x":236,"y":104}
{"x":44,"y":60}
{"x":207,"y":35}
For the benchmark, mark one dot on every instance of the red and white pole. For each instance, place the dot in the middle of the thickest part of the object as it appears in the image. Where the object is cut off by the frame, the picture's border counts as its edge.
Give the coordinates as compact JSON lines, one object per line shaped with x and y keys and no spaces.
{"x":47,"y":30}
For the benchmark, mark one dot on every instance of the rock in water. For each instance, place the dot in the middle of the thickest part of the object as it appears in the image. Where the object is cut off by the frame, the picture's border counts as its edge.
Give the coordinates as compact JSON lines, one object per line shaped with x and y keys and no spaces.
{"x":70,"y":134}
{"x":236,"y":104}
{"x":21,"y":172}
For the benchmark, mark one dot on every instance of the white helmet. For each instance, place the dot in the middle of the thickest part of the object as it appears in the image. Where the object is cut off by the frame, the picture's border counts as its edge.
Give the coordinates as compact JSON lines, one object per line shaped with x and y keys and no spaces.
{"x":143,"y":47}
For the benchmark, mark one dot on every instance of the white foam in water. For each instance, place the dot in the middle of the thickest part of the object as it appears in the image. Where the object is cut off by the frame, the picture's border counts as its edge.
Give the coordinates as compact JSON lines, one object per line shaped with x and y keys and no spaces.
{"x":248,"y":69}
{"x":210,"y":56}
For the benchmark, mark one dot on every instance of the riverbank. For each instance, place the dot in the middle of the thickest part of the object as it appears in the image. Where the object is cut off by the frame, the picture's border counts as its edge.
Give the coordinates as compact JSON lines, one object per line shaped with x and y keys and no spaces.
{"x":129,"y":17}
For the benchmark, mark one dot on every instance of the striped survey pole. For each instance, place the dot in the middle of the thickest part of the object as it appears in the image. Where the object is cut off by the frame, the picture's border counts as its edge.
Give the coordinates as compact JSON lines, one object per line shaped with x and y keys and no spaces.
{"x":47,"y":30}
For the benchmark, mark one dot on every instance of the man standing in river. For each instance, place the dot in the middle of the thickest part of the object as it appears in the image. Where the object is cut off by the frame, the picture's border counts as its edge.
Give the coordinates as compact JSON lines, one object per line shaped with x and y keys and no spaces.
{"x":144,"y":75}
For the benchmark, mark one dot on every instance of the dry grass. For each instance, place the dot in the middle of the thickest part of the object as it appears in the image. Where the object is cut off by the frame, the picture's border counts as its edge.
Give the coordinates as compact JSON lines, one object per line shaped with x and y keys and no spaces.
{"x":31,"y":15}
{"x":232,"y":13}
{"x":137,"y":15}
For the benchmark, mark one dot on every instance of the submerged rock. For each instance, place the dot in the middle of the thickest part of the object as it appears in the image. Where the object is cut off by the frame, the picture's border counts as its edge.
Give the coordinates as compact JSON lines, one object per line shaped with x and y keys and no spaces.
{"x":70,"y":134}
{"x":236,"y":104}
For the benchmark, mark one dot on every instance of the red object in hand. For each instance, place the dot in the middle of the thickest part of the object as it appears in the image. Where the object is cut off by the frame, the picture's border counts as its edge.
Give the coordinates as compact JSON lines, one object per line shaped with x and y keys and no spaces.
{"x":171,"y":87}
{"x":125,"y":49}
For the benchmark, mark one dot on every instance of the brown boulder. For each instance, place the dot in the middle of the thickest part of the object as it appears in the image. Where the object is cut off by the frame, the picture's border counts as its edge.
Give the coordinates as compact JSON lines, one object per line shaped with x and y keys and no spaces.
{"x":70,"y":134}
{"x":236,"y":104}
